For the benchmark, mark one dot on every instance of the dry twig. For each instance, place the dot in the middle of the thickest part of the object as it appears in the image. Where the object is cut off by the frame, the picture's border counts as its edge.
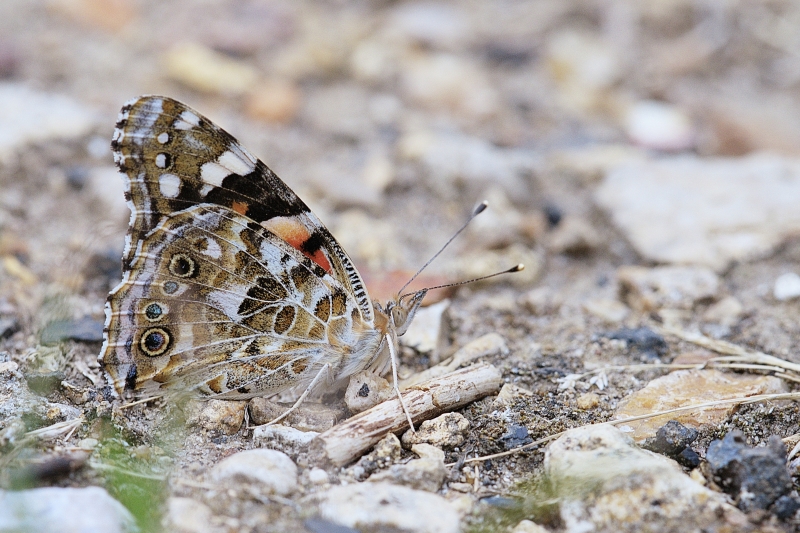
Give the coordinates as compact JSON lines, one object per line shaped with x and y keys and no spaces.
{"x":346,"y":441}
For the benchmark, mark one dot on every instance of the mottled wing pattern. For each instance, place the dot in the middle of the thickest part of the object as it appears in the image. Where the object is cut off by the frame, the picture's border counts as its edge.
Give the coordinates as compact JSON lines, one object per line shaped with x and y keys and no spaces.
{"x":231,"y":285}
{"x":175,"y":158}
{"x":215,"y":302}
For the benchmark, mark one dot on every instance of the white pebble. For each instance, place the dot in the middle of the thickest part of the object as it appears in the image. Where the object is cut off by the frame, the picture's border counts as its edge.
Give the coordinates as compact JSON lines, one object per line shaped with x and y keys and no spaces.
{"x":787,"y":287}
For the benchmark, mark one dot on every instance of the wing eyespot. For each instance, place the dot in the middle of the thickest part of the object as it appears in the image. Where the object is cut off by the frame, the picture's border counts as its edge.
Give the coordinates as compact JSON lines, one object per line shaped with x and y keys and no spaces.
{"x":155,"y":342}
{"x":154,"y":311}
{"x":182,"y":266}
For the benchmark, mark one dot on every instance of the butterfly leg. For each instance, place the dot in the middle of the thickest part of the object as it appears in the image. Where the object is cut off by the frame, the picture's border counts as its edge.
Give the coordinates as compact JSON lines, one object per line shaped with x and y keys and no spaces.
{"x":323,"y":372}
{"x":393,"y":356}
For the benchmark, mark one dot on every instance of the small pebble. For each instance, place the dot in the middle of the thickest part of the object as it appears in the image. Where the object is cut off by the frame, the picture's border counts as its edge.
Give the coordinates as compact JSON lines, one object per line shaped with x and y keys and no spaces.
{"x":649,"y":289}
{"x":223,"y":416}
{"x":366,"y":390}
{"x":787,"y":287}
{"x":644,"y":340}
{"x":755,"y":477}
{"x":273,"y":101}
{"x":86,"y":329}
{"x":272,"y":469}
{"x":204,"y":69}
{"x":54,"y":509}
{"x":600,"y":477}
{"x":383,"y":506}
{"x":588,"y":400}
{"x":673,"y":440}
{"x":283,"y":438}
{"x":606,"y":309}
{"x":726,"y":312}
{"x":426,"y":473}
{"x":689,"y":387}
{"x":574,"y":236}
{"x":541,"y":301}
{"x":185,"y":515}
{"x":446,"y":430}
{"x":318,"y":476}
{"x":424,"y":334}
{"x":515,"y":436}
{"x":308,"y":417}
{"x":660,"y":126}
{"x":28,"y":116}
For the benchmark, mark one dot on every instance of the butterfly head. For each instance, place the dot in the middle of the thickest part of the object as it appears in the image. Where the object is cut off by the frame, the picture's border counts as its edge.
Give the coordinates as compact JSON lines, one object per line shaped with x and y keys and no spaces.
{"x":401,"y":310}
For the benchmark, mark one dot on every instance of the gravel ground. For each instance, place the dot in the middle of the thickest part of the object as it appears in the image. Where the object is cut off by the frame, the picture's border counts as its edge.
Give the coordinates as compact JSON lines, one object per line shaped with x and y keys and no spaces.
{"x":392,"y":120}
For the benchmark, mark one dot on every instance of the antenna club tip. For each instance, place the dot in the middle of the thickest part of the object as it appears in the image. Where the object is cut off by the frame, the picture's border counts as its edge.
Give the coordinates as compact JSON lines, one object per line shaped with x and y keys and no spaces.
{"x":518,"y":268}
{"x":480,"y":208}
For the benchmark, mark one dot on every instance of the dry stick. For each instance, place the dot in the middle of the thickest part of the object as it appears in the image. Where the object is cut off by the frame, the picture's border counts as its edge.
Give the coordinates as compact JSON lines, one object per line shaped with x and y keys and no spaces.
{"x":715,"y":403}
{"x":345,"y":442}
{"x":729,"y":348}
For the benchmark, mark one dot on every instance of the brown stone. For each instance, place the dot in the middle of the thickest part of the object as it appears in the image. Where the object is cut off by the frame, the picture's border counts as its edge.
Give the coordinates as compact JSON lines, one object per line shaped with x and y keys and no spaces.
{"x":690,"y":387}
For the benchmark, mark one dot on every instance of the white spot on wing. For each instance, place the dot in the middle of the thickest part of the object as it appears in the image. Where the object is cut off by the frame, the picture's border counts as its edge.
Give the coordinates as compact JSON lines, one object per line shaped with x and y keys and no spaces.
{"x":213,"y":173}
{"x":187,"y":121}
{"x":161,"y":160}
{"x":235,"y":163}
{"x":213,"y":249}
{"x":163,"y":137}
{"x":169,"y":185}
{"x":205,"y":189}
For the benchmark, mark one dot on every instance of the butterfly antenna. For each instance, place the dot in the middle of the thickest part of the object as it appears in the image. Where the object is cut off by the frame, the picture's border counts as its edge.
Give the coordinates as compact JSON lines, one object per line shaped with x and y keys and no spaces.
{"x":475,"y":212}
{"x":511,"y":270}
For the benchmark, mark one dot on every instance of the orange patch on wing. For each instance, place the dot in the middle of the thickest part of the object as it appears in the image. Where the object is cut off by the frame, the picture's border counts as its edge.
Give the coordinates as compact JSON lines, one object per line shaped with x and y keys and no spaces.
{"x":296,"y":234}
{"x":240,"y":207}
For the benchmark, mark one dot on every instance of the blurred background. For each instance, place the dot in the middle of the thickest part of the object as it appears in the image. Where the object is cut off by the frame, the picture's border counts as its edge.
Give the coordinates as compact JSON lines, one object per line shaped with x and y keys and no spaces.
{"x":388,"y":117}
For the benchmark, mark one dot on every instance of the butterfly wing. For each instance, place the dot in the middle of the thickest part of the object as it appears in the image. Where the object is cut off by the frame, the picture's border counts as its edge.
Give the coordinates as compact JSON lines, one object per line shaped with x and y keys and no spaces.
{"x":231,"y":285}
{"x":217,"y":303}
{"x":173,"y":158}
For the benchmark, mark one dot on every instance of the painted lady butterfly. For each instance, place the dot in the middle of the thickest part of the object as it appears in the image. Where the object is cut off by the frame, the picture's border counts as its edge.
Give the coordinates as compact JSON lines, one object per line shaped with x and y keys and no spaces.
{"x":232,"y":287}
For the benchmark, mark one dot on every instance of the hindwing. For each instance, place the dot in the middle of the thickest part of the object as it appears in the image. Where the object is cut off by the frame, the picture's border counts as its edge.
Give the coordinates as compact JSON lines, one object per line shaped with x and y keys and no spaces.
{"x":217,"y":302}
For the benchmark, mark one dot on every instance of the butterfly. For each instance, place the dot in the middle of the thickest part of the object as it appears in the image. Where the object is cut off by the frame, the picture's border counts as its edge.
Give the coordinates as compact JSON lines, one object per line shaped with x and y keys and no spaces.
{"x":231,"y":286}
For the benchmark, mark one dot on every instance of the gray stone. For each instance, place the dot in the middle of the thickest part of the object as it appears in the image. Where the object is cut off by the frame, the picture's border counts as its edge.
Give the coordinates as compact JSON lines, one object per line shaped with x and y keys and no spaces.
{"x":604,"y":483}
{"x":426,"y":473}
{"x":383,"y":506}
{"x":707,"y":212}
{"x":445,"y":430}
{"x":726,"y":312}
{"x":28,"y":116}
{"x":365,"y":390}
{"x":274,"y":470}
{"x":287,"y":439}
{"x":66,"y":510}
{"x":650,"y":289}
{"x":308,"y":416}
{"x":220,"y":416}
{"x":755,"y":477}
{"x":185,"y":515}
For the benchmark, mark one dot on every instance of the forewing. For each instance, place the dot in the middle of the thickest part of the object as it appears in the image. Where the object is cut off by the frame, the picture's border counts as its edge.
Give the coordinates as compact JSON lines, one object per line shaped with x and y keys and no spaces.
{"x":173,"y":158}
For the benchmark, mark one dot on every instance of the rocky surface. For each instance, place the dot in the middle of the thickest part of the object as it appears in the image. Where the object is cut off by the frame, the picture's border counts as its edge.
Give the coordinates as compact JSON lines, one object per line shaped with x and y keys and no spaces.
{"x":639,"y":157}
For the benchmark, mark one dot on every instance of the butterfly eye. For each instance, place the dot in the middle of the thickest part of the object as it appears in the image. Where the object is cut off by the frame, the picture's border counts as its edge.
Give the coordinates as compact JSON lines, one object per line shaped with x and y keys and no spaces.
{"x":182,"y":265}
{"x":155,"y":342}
